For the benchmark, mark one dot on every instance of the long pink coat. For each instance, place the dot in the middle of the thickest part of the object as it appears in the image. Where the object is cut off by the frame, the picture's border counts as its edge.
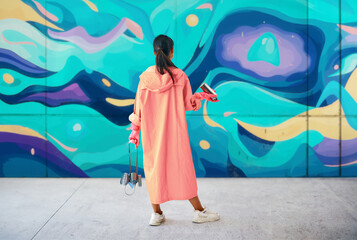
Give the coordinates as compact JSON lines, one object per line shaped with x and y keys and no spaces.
{"x":159,"y":110}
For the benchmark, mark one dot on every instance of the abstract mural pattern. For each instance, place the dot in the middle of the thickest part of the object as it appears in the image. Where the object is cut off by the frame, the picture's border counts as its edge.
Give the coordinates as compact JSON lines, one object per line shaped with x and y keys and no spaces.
{"x":284,"y":71}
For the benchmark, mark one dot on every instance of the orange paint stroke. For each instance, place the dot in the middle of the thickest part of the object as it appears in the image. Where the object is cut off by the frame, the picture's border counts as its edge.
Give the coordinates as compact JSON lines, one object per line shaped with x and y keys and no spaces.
{"x":346,"y":164}
{"x":226,"y":114}
{"x":205,"y":5}
{"x":15,"y":43}
{"x":351,"y":30}
{"x":134,"y":28}
{"x":45,"y":12}
{"x":62,"y":145}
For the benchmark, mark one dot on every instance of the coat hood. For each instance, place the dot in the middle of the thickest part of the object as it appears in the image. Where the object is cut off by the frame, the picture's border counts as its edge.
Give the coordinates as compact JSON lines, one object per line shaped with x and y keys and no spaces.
{"x":152,"y":80}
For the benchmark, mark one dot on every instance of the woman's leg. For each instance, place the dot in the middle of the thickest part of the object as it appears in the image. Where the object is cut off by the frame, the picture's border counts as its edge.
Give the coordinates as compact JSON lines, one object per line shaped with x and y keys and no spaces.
{"x":156,"y":208}
{"x":196,"y":203}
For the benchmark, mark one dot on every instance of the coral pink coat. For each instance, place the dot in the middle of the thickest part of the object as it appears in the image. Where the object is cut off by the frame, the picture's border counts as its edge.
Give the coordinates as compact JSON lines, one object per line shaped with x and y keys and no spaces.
{"x":160,"y":110}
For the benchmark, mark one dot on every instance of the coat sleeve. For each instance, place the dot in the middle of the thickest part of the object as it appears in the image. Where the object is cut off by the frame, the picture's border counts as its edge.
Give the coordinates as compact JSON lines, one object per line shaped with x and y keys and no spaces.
{"x":191,"y":103}
{"x":135,"y":116}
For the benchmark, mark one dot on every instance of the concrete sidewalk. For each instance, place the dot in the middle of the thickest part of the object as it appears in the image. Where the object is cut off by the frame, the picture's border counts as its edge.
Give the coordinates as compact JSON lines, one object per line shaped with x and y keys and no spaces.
{"x":250,"y":208}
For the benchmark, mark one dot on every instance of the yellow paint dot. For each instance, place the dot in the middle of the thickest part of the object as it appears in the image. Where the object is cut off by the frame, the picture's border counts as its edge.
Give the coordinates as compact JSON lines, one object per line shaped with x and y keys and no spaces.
{"x":106,"y":82}
{"x":204,"y":144}
{"x":8,"y":78}
{"x":192,"y":20}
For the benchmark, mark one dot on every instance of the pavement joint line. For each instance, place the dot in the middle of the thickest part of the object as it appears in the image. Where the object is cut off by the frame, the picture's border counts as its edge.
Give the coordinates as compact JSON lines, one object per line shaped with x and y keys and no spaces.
{"x":59,"y":208}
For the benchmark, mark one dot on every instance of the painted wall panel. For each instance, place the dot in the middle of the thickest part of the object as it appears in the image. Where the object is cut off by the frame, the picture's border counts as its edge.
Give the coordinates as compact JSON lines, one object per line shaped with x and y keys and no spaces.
{"x":348,"y":89}
{"x":284,"y":71}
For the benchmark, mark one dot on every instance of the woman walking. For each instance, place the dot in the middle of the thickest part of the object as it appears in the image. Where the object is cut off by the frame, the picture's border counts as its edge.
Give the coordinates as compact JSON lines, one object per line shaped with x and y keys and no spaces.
{"x":163,"y":95}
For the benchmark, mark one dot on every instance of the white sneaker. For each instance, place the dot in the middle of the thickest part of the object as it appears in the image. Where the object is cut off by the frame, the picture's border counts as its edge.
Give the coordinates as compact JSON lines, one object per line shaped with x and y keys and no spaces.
{"x":156,"y":219}
{"x":206,"y":215}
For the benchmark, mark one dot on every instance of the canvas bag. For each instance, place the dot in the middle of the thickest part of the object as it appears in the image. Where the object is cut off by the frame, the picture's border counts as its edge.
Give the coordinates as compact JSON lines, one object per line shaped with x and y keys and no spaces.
{"x":131,"y":179}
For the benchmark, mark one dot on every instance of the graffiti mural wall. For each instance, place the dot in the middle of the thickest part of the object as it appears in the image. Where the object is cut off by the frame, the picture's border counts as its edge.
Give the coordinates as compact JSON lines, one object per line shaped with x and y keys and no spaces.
{"x":284,"y":71}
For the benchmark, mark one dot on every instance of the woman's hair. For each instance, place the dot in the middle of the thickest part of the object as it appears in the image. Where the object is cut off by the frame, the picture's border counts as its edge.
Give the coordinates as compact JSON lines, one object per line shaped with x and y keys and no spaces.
{"x":162,"y":46}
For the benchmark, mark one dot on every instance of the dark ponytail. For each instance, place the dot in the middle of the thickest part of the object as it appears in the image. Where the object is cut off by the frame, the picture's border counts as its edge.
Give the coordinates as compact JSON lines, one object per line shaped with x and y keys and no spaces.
{"x":162,"y":47}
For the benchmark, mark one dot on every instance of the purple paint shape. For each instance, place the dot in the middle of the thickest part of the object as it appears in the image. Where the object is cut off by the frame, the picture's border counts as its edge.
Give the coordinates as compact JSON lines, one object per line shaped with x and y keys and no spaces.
{"x":328,"y":151}
{"x":72,"y":93}
{"x":80,"y":37}
{"x":236,"y":48}
{"x":54,"y":156}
